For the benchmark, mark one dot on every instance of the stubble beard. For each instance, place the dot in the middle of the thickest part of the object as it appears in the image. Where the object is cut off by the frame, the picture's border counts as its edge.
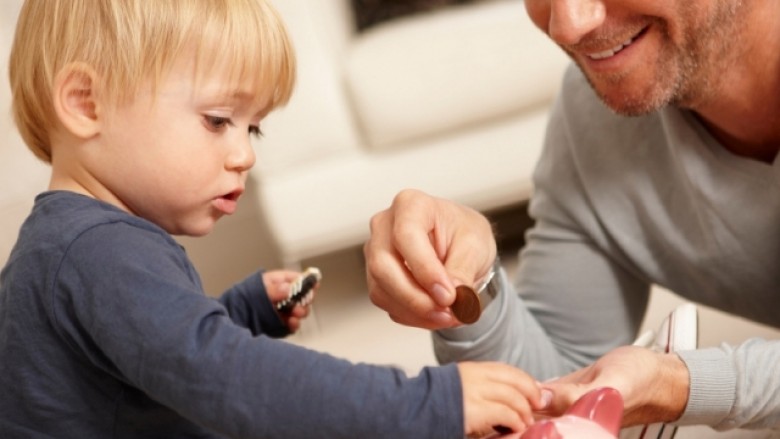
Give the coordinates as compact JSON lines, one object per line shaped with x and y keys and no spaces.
{"x":686,"y":75}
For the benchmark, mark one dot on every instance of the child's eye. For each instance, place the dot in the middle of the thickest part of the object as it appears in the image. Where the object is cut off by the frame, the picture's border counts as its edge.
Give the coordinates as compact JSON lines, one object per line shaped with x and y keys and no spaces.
{"x":255,"y":131}
{"x":216,"y":123}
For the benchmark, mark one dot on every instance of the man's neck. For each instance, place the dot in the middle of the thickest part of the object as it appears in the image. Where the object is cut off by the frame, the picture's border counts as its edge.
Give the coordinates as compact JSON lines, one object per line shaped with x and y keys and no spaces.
{"x":746,"y":129}
{"x":744,"y":114}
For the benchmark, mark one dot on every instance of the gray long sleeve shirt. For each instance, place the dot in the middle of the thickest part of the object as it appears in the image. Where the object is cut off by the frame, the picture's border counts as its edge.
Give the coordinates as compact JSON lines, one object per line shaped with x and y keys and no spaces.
{"x":620,"y":204}
{"x":105,"y":333}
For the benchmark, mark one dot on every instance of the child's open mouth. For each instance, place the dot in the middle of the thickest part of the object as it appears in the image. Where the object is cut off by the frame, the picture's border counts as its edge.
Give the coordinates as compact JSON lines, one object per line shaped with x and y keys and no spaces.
{"x":228,"y":203}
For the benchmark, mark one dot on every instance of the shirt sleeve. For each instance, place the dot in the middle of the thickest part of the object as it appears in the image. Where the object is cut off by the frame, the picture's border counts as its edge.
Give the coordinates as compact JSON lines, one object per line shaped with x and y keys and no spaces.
{"x":130,"y":304}
{"x":734,"y":387}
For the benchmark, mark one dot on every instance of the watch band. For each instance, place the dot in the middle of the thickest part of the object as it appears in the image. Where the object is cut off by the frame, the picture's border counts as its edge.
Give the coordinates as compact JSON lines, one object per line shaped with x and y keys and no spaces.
{"x":490,"y":285}
{"x":470,"y":302}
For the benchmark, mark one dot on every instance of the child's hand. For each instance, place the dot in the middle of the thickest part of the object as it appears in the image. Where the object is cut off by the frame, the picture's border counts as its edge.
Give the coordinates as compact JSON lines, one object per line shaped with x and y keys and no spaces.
{"x":497,"y":395}
{"x":277,"y":284}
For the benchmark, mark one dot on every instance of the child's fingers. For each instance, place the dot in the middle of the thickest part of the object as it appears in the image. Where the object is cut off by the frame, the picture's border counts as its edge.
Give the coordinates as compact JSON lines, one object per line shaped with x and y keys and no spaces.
{"x":294,"y":318}
{"x":279,"y":291}
{"x":501,"y":418}
{"x":498,"y":394}
{"x":300,"y":311}
{"x":293,"y":324}
{"x":508,"y":396}
{"x":520,"y":381}
{"x":275,"y":277}
{"x":286,"y":294}
{"x":286,"y":276}
{"x":483,"y":419}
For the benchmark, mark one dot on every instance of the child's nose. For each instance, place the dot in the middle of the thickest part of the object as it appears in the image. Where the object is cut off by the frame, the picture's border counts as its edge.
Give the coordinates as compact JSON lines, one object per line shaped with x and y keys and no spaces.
{"x":242,"y":156}
{"x":571,"y":20}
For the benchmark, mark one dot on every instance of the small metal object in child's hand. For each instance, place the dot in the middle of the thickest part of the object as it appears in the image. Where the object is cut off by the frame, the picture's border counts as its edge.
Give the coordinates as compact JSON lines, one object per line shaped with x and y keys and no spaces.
{"x":301,"y":290}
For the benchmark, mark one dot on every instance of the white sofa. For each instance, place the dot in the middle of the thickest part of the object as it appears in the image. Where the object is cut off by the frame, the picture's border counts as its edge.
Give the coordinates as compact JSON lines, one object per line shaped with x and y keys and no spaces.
{"x":453,"y":102}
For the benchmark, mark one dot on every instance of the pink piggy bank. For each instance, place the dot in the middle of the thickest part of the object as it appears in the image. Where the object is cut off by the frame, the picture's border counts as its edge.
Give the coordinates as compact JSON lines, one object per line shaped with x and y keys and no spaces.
{"x":596,"y":415}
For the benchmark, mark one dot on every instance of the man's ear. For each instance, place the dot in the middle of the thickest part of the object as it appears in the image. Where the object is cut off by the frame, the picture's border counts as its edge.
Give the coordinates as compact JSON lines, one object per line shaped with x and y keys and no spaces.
{"x":75,"y":100}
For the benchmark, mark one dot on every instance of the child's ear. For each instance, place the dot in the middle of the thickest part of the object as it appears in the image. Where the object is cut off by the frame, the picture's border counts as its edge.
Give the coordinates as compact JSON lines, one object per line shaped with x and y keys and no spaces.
{"x":75,"y":100}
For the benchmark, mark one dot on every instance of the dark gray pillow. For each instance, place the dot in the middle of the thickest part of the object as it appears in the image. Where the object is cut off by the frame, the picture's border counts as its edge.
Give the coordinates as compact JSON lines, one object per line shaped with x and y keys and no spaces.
{"x":371,"y":12}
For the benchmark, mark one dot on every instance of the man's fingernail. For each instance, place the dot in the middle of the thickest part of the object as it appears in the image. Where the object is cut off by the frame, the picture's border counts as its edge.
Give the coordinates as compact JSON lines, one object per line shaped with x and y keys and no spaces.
{"x":440,"y":318}
{"x":547,"y":397}
{"x":440,"y":295}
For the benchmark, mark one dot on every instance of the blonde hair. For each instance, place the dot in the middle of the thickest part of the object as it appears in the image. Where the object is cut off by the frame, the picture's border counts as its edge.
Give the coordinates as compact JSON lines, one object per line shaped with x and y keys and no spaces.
{"x":129,"y":42}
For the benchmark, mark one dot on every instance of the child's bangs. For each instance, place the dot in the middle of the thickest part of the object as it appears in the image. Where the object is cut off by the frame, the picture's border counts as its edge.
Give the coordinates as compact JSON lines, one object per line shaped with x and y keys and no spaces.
{"x":251,"y":43}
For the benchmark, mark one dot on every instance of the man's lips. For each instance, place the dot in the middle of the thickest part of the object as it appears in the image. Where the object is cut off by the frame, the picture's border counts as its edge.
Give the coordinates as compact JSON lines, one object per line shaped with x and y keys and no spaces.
{"x":612,"y":51}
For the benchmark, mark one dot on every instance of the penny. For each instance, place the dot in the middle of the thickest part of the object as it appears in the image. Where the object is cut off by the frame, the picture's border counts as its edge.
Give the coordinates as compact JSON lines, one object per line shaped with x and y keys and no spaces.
{"x":466,"y":307}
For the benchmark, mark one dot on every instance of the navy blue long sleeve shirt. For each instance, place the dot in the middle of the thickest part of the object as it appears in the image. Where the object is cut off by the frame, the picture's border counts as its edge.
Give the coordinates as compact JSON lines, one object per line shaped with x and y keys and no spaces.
{"x":105,"y":332}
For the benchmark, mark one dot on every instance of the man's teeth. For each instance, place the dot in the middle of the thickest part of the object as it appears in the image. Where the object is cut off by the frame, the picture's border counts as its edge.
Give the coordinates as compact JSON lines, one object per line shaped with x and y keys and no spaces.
{"x":610,"y":52}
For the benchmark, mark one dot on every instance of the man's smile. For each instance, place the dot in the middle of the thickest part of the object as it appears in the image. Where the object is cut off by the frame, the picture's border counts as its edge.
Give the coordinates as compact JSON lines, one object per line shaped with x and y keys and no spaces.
{"x":610,"y":50}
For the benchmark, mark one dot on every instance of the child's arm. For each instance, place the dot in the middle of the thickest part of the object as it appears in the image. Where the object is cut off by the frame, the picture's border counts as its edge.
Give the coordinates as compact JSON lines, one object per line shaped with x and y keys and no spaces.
{"x":497,"y":396}
{"x":148,"y":326}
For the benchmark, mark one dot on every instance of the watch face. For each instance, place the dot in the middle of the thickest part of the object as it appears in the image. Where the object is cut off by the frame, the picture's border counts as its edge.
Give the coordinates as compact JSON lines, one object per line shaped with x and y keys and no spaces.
{"x":466,"y":307}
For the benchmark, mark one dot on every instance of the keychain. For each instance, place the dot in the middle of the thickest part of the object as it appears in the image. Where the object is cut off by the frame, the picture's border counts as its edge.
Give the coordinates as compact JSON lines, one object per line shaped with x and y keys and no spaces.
{"x":301,"y":290}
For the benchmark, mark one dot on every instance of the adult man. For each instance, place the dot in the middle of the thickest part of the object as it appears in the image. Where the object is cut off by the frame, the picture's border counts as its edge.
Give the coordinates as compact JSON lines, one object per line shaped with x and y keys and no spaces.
{"x":674,"y":181}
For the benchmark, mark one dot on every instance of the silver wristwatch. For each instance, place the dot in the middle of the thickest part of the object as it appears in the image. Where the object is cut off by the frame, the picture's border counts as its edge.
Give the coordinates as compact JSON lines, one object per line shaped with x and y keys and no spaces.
{"x":490,"y":285}
{"x":469,"y":302}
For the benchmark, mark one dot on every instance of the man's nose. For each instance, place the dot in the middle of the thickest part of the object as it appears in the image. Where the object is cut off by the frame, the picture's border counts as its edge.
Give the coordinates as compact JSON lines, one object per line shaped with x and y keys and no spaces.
{"x":571,"y":20}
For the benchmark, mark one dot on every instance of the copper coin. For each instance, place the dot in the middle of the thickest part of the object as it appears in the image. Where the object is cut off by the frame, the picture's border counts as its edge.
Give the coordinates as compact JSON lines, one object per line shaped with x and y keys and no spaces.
{"x":466,"y":307}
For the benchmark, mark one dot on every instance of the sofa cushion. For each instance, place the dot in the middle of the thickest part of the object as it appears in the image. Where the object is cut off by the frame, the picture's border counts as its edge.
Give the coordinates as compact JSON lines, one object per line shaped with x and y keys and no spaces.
{"x":409,"y":79}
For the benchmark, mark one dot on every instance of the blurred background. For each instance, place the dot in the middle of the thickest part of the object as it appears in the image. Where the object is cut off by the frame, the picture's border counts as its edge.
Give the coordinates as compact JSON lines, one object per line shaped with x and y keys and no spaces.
{"x":447,"y":96}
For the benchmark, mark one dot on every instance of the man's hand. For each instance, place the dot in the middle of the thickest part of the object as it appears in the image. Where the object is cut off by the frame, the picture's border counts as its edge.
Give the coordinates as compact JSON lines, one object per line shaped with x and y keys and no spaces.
{"x":420,"y":249}
{"x":654,"y":386}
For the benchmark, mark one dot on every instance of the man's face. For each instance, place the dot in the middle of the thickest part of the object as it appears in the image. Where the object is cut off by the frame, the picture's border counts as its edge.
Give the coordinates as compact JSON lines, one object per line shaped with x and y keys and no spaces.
{"x":640,"y":55}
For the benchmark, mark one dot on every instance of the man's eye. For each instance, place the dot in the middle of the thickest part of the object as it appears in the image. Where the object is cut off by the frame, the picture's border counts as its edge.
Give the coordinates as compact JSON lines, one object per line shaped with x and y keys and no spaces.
{"x":255,"y":131}
{"x":216,"y":123}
